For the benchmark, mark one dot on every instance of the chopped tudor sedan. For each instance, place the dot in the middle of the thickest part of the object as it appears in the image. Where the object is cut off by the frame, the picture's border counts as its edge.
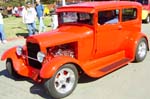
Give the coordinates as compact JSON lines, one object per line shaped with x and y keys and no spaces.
{"x":94,"y":38}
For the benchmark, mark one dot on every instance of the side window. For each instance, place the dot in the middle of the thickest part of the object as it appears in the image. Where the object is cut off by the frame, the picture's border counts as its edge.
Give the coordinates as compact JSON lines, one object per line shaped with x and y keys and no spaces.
{"x":108,"y":17}
{"x":129,"y":14}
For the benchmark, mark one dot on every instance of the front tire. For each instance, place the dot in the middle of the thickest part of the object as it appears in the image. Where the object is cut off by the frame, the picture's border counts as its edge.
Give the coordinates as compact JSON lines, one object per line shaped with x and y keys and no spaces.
{"x":141,"y":50}
{"x":10,"y":69}
{"x":63,"y":82}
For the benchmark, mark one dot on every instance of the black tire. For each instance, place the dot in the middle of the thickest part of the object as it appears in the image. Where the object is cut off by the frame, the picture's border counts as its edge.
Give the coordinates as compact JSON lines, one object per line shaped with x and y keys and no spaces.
{"x":147,"y":20}
{"x":10,"y":69}
{"x":141,"y":50}
{"x":63,"y":82}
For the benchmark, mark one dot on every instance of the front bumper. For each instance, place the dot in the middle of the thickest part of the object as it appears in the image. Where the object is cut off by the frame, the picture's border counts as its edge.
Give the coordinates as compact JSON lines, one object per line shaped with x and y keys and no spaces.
{"x":21,"y":67}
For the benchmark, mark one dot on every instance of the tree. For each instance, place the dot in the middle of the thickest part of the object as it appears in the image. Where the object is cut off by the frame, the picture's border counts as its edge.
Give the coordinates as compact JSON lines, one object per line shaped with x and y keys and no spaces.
{"x":13,"y":2}
{"x":52,"y":1}
{"x":22,"y":2}
{"x":48,"y":1}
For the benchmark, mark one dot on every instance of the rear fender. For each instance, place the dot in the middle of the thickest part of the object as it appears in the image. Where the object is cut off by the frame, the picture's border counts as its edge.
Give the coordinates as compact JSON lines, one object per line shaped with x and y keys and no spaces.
{"x":51,"y":67}
{"x":132,"y":45}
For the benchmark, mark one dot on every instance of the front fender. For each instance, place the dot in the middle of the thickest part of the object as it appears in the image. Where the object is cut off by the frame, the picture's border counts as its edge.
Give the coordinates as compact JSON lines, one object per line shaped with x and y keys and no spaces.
{"x":18,"y":63}
{"x":51,"y":67}
{"x":9,"y":53}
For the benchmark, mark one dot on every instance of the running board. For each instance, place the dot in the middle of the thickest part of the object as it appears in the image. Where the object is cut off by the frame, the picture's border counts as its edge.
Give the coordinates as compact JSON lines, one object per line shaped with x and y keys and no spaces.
{"x":114,"y":65}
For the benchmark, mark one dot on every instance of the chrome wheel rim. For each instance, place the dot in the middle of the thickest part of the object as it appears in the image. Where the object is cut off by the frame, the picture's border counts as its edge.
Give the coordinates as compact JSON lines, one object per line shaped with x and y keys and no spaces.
{"x":142,"y":49}
{"x":64,"y":80}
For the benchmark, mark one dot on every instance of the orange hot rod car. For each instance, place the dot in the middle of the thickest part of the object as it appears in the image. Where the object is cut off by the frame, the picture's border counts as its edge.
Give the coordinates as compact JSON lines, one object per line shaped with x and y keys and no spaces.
{"x":94,"y":38}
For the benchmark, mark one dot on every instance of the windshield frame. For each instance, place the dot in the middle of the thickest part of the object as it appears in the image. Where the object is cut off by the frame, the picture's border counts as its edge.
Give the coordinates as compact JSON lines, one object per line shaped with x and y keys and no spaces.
{"x":78,"y":18}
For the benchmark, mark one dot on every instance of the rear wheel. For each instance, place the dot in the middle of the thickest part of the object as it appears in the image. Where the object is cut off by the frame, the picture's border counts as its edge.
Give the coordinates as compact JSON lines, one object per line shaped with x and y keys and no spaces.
{"x":141,"y":50}
{"x":63,"y":82}
{"x":10,"y":69}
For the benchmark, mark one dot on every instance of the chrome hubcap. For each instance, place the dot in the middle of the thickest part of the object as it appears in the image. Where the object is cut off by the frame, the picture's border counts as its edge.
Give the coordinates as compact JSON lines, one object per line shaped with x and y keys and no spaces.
{"x":64,"y":80}
{"x":142,"y":49}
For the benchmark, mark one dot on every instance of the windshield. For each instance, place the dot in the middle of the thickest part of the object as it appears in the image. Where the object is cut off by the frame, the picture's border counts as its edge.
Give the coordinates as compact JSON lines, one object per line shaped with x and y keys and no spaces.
{"x":143,"y":2}
{"x":75,"y":17}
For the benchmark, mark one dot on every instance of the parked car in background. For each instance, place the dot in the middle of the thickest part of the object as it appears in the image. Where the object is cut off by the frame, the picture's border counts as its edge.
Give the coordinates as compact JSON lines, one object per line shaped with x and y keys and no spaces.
{"x":145,"y":10}
{"x":94,"y":38}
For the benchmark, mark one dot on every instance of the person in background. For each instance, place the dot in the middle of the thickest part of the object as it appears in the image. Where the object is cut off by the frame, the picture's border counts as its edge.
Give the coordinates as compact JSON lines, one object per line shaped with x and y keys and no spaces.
{"x":15,"y":10}
{"x":40,"y":14}
{"x":54,"y":17}
{"x":2,"y":34}
{"x":111,"y":17}
{"x":29,"y":17}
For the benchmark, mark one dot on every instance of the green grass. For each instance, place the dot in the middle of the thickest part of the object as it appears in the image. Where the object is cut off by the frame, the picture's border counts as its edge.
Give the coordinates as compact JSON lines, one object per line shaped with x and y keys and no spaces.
{"x":14,"y":27}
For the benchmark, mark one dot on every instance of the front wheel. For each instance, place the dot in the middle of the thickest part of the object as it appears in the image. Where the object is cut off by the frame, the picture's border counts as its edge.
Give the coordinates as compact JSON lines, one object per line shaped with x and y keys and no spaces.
{"x":10,"y":69}
{"x":63,"y":82}
{"x":141,"y":50}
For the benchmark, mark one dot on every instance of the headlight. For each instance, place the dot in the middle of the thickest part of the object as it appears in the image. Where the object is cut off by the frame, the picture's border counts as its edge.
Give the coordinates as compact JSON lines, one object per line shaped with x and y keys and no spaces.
{"x":19,"y":50}
{"x":40,"y":56}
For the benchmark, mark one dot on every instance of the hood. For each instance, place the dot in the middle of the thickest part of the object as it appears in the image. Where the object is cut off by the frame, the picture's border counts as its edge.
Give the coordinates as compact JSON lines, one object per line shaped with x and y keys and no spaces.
{"x":64,"y":34}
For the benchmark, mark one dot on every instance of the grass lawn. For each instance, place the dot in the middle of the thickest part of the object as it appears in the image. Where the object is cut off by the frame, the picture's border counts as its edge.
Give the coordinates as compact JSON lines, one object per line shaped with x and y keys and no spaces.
{"x":14,"y":27}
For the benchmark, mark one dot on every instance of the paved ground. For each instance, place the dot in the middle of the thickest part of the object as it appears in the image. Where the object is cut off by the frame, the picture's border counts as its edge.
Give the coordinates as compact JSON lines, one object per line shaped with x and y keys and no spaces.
{"x":129,"y":82}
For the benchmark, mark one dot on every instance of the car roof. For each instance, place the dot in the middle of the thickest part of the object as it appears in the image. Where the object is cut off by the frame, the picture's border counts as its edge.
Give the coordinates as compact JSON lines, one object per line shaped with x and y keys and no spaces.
{"x":92,"y":6}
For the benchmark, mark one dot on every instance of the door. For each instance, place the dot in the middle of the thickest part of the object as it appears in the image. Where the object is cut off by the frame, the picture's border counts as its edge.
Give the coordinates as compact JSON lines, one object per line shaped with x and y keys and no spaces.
{"x":109,"y":36}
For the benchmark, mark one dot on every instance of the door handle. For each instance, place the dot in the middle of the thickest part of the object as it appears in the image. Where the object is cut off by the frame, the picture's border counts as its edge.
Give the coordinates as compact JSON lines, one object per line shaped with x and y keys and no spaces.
{"x":119,"y":27}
